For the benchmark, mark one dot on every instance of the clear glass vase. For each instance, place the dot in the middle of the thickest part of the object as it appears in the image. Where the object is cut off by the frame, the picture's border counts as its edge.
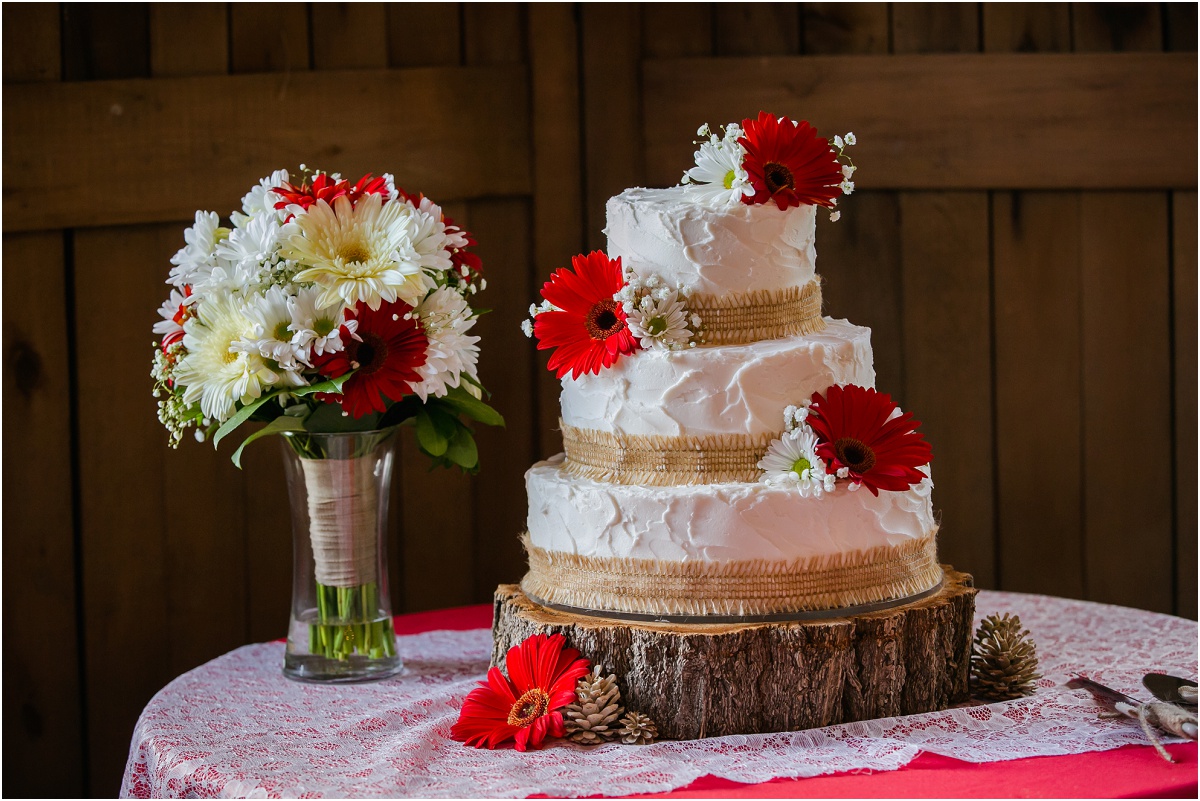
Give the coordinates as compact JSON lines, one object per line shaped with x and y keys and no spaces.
{"x":341,"y":622}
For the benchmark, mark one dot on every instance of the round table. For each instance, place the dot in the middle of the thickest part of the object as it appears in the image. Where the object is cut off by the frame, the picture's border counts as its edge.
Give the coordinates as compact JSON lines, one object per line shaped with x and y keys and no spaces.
{"x":235,"y":727}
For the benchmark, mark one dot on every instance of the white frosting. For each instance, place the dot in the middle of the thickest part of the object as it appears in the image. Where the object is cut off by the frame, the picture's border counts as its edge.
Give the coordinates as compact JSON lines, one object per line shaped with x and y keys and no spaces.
{"x":734,"y":389}
{"x":709,"y":249}
{"x":715,"y":522}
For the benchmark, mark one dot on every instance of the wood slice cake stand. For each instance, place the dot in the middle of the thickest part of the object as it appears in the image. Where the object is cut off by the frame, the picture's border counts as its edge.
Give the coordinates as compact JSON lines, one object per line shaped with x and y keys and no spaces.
{"x":708,"y":680}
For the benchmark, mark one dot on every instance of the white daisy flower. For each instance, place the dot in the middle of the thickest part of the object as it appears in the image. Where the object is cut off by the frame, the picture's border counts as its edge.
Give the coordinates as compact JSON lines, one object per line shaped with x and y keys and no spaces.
{"x":659,"y":322}
{"x":198,"y":256}
{"x":451,"y":353}
{"x":792,"y":459}
{"x":273,"y":337}
{"x":429,"y":239}
{"x":719,"y":175}
{"x":317,"y":329}
{"x":169,"y":311}
{"x":363,"y":251}
{"x":261,"y":199}
{"x":213,"y":372}
{"x":254,"y":248}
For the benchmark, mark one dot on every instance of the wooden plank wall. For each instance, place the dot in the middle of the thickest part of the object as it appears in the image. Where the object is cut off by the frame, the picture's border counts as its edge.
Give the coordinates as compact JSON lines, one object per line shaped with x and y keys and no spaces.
{"x":1023,"y":243}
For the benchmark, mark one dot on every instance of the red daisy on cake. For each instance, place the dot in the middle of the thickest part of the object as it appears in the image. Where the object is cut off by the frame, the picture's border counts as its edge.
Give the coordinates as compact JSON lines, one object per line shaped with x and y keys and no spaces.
{"x":788,"y":164}
{"x":385,"y":350}
{"x":542,"y":673}
{"x":585,"y":325}
{"x":862,"y":431}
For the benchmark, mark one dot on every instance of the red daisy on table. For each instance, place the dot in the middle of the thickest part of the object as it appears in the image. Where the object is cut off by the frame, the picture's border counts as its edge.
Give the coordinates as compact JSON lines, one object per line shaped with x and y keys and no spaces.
{"x":523,"y":707}
{"x":587,"y":327}
{"x":323,"y":187}
{"x":386,"y":349}
{"x":788,"y":164}
{"x":860,"y":429}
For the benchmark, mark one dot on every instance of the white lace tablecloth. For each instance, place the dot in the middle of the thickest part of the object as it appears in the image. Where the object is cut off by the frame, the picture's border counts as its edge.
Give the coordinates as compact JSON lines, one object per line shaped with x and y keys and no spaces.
{"x":236,"y":727}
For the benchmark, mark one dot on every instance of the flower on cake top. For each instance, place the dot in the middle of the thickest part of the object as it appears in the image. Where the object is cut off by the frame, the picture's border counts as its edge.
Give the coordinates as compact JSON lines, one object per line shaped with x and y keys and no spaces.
{"x":524,"y":707}
{"x":580,"y":318}
{"x":771,"y":159}
{"x":863,"y":436}
{"x":719,"y":173}
{"x":789,"y":164}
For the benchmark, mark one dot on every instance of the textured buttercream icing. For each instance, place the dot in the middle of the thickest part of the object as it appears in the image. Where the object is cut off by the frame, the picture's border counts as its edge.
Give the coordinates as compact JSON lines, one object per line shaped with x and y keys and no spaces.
{"x":716,"y":522}
{"x":708,"y":249}
{"x":737,"y":389}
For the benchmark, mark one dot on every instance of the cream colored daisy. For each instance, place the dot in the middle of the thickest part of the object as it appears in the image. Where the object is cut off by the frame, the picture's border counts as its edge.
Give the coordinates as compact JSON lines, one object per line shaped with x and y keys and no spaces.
{"x":362,"y":251}
{"x":217,"y":371}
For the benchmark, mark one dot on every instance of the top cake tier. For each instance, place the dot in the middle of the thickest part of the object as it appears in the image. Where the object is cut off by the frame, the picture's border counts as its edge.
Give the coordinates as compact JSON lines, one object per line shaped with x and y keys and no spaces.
{"x":709,"y":249}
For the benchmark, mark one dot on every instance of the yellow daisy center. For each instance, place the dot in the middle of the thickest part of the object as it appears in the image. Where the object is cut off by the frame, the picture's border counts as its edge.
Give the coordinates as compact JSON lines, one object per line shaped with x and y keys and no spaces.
{"x":528,"y":708}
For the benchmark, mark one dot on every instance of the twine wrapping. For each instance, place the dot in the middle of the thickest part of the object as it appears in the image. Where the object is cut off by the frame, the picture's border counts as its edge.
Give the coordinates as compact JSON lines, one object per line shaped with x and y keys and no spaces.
{"x":754,"y":587}
{"x":663,"y":461}
{"x":342,"y":519}
{"x":740,"y":319}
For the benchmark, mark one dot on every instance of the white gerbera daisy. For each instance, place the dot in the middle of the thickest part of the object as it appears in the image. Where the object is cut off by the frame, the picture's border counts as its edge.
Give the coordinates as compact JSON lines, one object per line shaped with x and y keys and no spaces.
{"x":198,"y":256}
{"x":317,"y":329}
{"x":430,"y":238}
{"x":451,"y":353}
{"x":719,"y":175}
{"x":214,"y":372}
{"x":272,"y":337}
{"x":360,"y":251}
{"x":262,"y":199}
{"x":792,"y":459}
{"x":170,"y":313}
{"x":659,"y":322}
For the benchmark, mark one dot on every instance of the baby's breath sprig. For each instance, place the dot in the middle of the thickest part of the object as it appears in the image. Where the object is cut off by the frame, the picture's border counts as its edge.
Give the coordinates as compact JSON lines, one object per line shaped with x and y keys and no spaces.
{"x":840,"y":143}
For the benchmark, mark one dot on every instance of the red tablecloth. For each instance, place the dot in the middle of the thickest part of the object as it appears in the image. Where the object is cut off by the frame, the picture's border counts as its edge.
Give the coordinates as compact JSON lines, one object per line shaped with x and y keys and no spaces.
{"x":1130,"y":772}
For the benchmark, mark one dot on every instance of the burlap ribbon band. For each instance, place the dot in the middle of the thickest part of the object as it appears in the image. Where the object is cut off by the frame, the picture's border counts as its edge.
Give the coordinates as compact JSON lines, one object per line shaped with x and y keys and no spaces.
{"x":740,"y":319}
{"x":662,"y":461}
{"x":746,"y":588}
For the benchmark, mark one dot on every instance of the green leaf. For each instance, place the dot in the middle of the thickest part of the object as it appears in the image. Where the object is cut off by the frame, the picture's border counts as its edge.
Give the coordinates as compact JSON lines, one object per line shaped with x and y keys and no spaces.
{"x":462,"y":450}
{"x":243,"y":414}
{"x":328,"y":418}
{"x":278,"y":425}
{"x":430,"y":440}
{"x":401,"y":411}
{"x":462,"y":401}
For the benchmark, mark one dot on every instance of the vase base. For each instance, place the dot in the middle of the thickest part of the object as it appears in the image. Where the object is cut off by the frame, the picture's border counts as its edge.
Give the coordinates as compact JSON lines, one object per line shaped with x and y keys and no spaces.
{"x":315,"y":669}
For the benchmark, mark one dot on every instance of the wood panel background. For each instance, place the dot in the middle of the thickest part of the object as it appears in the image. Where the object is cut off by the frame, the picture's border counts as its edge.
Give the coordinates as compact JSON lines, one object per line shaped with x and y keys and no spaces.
{"x":1023,"y":243}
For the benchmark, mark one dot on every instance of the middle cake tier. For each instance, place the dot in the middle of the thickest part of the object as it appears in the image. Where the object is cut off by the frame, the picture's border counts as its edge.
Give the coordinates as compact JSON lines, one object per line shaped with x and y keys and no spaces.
{"x":729,"y":390}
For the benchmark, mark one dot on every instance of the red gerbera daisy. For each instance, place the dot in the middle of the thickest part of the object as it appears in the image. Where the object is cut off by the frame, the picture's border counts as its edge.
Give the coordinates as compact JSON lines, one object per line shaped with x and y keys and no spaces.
{"x":588,"y":330}
{"x":859,"y":429}
{"x":542,"y":674}
{"x":386,"y":349}
{"x":325,"y":188}
{"x":788,"y":163}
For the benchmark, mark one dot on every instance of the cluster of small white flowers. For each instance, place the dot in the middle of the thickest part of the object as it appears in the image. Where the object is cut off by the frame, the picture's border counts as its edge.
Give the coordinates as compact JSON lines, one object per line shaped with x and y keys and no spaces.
{"x":848,"y":168}
{"x":253,"y":304}
{"x":657,"y":314}
{"x":719,"y":175}
{"x":534,"y":310}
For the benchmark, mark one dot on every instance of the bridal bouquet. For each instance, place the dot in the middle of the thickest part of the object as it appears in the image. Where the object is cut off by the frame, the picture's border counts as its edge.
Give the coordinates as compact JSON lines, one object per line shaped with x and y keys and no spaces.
{"x":325,"y":306}
{"x":331,"y":312}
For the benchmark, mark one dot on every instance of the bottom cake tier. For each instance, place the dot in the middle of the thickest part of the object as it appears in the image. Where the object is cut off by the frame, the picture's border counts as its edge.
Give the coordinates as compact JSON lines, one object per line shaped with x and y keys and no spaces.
{"x":723,"y":550}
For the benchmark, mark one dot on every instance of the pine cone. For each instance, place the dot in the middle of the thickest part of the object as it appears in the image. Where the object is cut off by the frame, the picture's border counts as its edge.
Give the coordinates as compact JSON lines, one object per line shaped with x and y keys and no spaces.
{"x":592,"y":719}
{"x":1003,"y":660}
{"x":638,"y":729}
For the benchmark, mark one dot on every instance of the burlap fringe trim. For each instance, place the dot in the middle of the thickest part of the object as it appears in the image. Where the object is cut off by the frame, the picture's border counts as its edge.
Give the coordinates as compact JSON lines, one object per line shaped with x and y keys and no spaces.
{"x":663,"y":461}
{"x":754,"y":587}
{"x":754,"y":316}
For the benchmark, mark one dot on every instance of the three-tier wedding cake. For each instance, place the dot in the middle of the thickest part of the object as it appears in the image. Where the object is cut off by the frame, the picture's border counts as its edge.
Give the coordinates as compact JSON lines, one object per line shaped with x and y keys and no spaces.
{"x":725,"y":452}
